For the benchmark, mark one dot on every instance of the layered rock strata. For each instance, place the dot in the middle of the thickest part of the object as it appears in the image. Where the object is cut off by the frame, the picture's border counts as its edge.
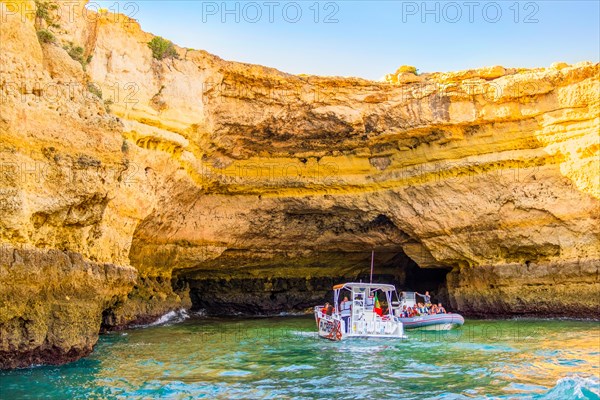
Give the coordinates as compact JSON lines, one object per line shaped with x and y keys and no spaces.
{"x":170,"y":177}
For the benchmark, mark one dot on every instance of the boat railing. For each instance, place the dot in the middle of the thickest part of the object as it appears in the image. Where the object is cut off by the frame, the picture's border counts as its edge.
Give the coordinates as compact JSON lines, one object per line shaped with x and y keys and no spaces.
{"x":408,"y":299}
{"x":376,"y":327}
{"x":322,"y":314}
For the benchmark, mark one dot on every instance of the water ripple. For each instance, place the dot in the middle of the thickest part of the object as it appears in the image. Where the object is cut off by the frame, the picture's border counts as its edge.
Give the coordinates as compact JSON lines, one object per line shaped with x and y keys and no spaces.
{"x":281,"y":358}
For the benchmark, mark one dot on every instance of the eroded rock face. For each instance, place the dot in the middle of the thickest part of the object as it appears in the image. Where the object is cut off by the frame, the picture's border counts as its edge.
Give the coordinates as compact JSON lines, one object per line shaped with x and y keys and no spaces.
{"x":197,"y":173}
{"x":52,"y":303}
{"x":564,"y":289}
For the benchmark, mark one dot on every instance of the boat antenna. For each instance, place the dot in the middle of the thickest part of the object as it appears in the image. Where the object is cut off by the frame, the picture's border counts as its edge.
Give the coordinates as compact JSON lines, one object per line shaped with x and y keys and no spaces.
{"x":372,"y":258}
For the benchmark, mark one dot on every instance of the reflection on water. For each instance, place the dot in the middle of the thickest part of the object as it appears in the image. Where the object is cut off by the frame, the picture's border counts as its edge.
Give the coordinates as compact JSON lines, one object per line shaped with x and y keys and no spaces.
{"x":283,"y":358}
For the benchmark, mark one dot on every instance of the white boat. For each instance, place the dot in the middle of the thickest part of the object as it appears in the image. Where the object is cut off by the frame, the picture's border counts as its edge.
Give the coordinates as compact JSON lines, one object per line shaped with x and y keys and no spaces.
{"x":359,"y":316}
{"x":433,"y":322}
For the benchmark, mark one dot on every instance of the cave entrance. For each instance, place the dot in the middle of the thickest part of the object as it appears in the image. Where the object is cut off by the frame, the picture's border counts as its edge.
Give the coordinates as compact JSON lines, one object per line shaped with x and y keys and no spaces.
{"x":215,"y":294}
{"x":432,"y":279}
{"x":404,"y":273}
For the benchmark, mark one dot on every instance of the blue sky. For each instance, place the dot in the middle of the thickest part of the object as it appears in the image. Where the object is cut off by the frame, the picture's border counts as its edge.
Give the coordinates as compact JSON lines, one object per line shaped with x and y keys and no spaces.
{"x":371,"y":38}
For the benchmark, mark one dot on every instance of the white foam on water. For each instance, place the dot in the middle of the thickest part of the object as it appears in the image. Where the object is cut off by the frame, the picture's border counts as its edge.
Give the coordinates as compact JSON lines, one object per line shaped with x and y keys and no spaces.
{"x":199,"y":313}
{"x":172,"y":317}
{"x":293,"y":368}
{"x":574,"y":387}
{"x":291,"y":314}
{"x":304,"y":333}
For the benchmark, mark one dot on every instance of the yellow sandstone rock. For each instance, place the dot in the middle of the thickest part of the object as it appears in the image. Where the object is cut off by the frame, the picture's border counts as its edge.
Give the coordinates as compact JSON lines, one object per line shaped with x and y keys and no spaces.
{"x":220,"y":183}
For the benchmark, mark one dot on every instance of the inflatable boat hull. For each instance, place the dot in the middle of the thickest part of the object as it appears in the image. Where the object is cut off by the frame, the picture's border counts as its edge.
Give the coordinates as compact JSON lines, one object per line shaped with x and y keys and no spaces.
{"x":436,"y":322}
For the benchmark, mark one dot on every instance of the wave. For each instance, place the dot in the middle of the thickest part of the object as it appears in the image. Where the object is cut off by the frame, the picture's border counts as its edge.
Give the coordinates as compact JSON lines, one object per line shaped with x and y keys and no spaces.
{"x":574,"y":387}
{"x":291,"y":314}
{"x":305,"y":333}
{"x":201,"y":313}
{"x":170,"y":318}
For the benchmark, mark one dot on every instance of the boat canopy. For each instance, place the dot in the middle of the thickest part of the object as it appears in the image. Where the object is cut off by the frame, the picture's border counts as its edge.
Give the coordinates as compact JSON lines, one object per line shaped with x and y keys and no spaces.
{"x":359,"y":286}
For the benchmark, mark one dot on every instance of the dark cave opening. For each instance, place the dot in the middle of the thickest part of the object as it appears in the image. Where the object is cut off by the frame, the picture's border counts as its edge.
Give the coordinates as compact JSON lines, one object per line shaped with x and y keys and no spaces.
{"x":259,"y":296}
{"x":277,"y":295}
{"x":428,"y":279}
{"x":411,"y":277}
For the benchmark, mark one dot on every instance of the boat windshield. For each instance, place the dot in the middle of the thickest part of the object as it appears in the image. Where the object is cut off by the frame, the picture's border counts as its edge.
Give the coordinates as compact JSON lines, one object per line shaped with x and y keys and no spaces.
{"x":365,"y":297}
{"x":408,"y":296}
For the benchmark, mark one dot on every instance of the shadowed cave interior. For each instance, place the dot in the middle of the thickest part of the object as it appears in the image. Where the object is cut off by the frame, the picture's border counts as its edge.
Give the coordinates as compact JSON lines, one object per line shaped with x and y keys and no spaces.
{"x":275,"y":295}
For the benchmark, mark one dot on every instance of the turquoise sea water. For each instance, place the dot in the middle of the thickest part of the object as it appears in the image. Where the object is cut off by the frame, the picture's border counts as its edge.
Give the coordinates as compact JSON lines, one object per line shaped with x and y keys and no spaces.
{"x":279,"y":358}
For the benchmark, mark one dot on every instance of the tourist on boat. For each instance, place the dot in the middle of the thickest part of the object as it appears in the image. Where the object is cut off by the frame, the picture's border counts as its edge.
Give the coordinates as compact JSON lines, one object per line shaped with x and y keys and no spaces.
{"x":328,"y":309}
{"x":440,"y":309}
{"x":415,"y":311}
{"x":345,"y":308}
{"x":426,"y":297}
{"x":404,"y":312}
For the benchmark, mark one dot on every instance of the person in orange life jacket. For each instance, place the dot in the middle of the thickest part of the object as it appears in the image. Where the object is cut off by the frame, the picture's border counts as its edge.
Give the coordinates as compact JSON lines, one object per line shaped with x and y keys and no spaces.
{"x":414,"y":311}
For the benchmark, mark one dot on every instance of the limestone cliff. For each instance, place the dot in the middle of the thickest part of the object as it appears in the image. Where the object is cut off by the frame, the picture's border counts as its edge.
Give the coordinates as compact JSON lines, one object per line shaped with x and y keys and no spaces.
{"x":132,"y":186}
